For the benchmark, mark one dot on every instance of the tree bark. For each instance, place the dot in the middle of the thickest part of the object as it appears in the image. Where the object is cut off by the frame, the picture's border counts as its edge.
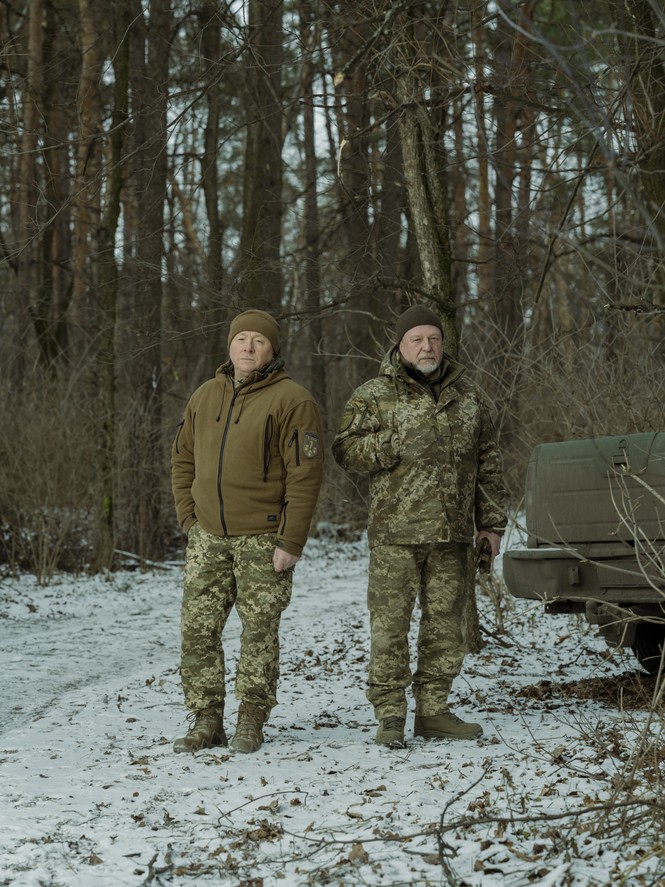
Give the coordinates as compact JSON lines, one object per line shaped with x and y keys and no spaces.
{"x":260,"y":274}
{"x":87,"y":181}
{"x":424,"y":174}
{"x":484,"y":246}
{"x":214,"y":310}
{"x":648,"y":95}
{"x":309,"y":40}
{"x":50,"y":312}
{"x":104,"y":539}
{"x":149,"y":88}
{"x":28,"y":216}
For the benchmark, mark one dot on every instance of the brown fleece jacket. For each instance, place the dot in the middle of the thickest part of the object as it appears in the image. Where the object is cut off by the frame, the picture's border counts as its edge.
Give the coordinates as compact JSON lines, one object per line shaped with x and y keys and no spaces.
{"x":248,"y":459}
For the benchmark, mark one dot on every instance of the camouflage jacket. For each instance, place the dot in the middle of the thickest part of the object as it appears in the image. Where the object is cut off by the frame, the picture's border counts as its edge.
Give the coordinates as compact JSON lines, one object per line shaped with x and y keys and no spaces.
{"x":435,"y":468}
{"x":248,"y":459}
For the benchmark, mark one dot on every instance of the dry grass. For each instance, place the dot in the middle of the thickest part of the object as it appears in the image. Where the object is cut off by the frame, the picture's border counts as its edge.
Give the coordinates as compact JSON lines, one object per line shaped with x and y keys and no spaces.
{"x":629,"y":691}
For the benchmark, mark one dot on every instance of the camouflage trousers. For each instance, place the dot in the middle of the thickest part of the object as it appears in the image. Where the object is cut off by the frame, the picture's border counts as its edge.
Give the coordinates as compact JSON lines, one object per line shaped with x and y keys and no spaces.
{"x":221,"y":572}
{"x":438,"y":575}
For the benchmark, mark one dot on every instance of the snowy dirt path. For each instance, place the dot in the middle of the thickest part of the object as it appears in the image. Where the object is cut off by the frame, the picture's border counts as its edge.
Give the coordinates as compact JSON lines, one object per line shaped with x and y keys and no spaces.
{"x":61,"y":640}
{"x":92,"y":793}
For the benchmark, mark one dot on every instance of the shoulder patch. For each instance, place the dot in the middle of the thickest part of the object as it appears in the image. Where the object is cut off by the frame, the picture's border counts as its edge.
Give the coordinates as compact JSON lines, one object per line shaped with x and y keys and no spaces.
{"x":311,"y":445}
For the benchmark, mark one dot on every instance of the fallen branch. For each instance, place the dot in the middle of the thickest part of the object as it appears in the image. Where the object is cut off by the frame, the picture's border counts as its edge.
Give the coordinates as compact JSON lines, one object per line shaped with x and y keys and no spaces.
{"x":637,"y":308}
{"x":473,"y":822}
{"x":144,"y":561}
{"x":465,"y":823}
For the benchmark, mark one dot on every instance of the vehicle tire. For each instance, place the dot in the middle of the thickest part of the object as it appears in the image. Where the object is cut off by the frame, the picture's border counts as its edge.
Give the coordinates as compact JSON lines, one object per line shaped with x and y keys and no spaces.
{"x":648,"y":645}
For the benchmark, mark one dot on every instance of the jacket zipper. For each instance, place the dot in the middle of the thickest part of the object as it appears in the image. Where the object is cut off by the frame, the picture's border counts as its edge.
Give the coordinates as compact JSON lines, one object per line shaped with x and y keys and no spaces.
{"x":294,"y":440}
{"x":221,"y":458}
{"x":267,"y":440}
{"x":282,"y":529}
{"x":177,"y":436}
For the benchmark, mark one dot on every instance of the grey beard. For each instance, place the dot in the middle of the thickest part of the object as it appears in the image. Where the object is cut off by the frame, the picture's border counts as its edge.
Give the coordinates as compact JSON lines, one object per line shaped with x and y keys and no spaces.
{"x":426,"y":371}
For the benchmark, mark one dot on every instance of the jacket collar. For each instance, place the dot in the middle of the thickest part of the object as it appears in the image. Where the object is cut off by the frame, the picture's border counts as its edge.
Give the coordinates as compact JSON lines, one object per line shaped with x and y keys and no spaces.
{"x":392,"y":366}
{"x":265,"y":374}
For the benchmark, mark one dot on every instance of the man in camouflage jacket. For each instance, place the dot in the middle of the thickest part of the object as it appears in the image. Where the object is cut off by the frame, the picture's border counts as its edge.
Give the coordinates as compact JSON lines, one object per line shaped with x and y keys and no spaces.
{"x":423,"y":434}
{"x":246,"y":471}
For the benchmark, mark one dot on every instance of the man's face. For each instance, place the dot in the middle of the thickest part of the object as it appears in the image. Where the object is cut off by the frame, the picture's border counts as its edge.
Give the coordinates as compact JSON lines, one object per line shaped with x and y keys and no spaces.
{"x":422,"y":348}
{"x":249,"y":351}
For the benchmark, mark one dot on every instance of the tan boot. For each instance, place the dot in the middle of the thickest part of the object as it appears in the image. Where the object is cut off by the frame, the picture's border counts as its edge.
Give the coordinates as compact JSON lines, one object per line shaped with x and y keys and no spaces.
{"x":445,"y":726}
{"x":391,"y":733}
{"x":206,"y":731}
{"x":249,"y":732}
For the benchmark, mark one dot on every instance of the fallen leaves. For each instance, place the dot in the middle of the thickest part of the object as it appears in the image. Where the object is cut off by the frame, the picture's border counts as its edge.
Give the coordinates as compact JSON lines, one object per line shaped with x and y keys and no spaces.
{"x":630,"y":690}
{"x":263,"y":831}
{"x":358,"y":853}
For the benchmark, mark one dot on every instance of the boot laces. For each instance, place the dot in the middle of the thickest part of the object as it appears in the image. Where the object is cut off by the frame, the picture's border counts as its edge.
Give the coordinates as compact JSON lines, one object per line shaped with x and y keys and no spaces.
{"x":199,"y":720}
{"x":249,"y":723}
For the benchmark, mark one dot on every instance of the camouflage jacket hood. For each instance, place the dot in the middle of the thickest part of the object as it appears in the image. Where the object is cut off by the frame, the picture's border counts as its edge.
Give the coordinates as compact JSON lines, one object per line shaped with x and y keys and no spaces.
{"x":434,"y":464}
{"x":248,"y":457}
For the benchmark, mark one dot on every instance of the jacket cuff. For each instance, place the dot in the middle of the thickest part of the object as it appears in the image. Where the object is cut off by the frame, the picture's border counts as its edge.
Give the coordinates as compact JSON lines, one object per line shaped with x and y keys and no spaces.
{"x":291,"y":547}
{"x":189,"y":522}
{"x":388,"y":451}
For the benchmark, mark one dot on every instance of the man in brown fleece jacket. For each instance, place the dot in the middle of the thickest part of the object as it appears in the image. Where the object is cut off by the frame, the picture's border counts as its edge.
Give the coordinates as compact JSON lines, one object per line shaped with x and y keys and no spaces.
{"x":247,"y":466}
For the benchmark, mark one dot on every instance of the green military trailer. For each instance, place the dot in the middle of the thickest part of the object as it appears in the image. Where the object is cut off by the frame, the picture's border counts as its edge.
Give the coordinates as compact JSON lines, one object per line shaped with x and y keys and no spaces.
{"x":595,"y":521}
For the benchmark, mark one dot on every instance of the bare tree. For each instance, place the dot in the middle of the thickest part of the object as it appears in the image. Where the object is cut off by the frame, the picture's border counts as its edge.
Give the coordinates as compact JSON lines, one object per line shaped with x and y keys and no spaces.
{"x":259,"y":274}
{"x":309,"y":39}
{"x":149,"y":69}
{"x":421,"y":130}
{"x":105,"y":533}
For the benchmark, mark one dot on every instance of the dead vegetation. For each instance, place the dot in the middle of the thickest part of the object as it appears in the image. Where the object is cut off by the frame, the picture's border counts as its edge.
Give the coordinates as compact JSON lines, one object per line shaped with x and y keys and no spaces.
{"x":629,"y":691}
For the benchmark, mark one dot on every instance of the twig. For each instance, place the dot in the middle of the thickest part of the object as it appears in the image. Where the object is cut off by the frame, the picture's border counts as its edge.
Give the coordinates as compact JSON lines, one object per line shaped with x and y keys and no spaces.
{"x":157,"y":565}
{"x":261,"y":798}
{"x":552,"y":817}
{"x":497,"y":637}
{"x":638,"y":308}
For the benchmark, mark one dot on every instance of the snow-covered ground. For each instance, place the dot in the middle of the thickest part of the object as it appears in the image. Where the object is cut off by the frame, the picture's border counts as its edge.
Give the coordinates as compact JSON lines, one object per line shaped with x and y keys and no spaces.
{"x":92,"y":793}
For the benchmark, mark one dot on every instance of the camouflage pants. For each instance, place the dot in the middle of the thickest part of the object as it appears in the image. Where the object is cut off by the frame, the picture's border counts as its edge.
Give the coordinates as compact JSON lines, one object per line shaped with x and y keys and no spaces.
{"x":221,"y":572}
{"x":438,"y":574}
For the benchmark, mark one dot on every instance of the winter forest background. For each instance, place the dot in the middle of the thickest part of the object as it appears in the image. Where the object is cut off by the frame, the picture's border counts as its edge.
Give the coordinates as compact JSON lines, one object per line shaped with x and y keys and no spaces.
{"x":169,"y":163}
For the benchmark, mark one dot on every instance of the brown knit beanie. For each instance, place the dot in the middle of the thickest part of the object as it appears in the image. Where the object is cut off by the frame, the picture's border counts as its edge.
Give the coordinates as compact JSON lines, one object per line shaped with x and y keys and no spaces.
{"x":416,"y":315}
{"x":257,"y":322}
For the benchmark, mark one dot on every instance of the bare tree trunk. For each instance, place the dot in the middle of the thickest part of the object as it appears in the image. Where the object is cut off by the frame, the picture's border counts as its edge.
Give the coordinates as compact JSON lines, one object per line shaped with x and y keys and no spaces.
{"x":104,"y":540}
{"x":150,"y":65}
{"x":87,"y":181}
{"x":484,"y":251}
{"x":504,"y":157}
{"x":424,"y":166}
{"x":260,"y":275}
{"x":214,"y":312}
{"x":648,"y":94}
{"x":391,"y":211}
{"x":309,"y":39}
{"x":348,"y":34}
{"x":51,"y":310}
{"x":511,"y":83}
{"x":459,"y":232}
{"x":28,"y":217}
